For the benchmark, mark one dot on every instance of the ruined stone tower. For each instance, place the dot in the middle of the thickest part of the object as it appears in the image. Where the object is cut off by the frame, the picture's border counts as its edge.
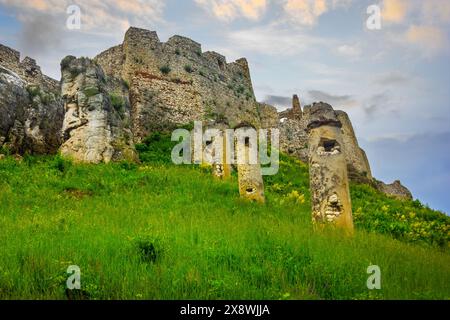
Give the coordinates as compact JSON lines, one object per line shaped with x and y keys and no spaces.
{"x":330,"y":193}
{"x":251,"y":184}
{"x":296,"y":108}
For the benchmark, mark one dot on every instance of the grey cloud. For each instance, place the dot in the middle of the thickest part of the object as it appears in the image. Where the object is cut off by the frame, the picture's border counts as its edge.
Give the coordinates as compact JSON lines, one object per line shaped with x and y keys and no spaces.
{"x":41,"y":33}
{"x":375,"y":104}
{"x":392,"y":78}
{"x":337,"y":101}
{"x":421,"y":162}
{"x":278,"y":101}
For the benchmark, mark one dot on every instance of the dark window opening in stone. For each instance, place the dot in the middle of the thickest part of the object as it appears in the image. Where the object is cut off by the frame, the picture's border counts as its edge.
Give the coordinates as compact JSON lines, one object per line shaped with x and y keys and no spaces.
{"x":329,"y":145}
{"x":247,"y":141}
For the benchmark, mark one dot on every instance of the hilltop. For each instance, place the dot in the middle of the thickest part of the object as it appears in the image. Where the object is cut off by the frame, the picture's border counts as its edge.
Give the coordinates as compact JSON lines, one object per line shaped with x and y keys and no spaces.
{"x":104,"y":106}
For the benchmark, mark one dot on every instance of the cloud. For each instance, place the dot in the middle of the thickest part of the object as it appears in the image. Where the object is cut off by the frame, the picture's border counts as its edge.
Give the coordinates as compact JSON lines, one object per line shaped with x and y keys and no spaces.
{"x":337,"y":101}
{"x":431,"y":40}
{"x":278,"y":101}
{"x":435,"y":11}
{"x":395,"y":11}
{"x":275,"y":39}
{"x":307,"y":12}
{"x":419,"y":24}
{"x":351,"y":51}
{"x":228,"y":10}
{"x":96,"y":15}
{"x":40,"y":34}
{"x":44,"y":36}
{"x":375,"y":104}
{"x":420,"y":161}
{"x":392,"y":78}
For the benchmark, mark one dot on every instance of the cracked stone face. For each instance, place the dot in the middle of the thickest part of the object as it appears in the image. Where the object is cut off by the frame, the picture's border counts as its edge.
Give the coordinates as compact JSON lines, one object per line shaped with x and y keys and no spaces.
{"x":328,"y":178}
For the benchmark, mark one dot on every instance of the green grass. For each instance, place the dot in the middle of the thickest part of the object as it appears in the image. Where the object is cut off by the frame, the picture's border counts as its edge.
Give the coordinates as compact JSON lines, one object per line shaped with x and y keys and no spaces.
{"x":158,"y":231}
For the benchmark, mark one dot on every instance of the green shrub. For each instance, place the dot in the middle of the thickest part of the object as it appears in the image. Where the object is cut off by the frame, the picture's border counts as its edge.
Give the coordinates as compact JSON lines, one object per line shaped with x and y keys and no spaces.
{"x":240,"y":90}
{"x":150,"y":249}
{"x":118,"y":103}
{"x":65,"y":63}
{"x":34,"y":91}
{"x":188,"y":68}
{"x":5,"y":150}
{"x":408,"y":221}
{"x":90,"y":92}
{"x":156,"y":148}
{"x":165,"y":70}
{"x":126,"y":84}
{"x":60,"y":164}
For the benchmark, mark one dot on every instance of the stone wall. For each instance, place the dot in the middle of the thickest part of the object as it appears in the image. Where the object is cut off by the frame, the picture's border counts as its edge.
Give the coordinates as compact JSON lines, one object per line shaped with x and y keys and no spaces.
{"x":175,"y":83}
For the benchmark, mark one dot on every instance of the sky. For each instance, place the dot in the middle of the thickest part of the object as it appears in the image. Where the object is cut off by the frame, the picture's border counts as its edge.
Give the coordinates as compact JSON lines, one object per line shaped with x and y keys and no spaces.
{"x":394,"y":81}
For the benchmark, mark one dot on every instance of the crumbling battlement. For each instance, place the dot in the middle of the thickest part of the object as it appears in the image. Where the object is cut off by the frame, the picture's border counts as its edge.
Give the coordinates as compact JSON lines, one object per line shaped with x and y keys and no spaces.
{"x":31,"y":109}
{"x":174,"y":82}
{"x":27,"y":69}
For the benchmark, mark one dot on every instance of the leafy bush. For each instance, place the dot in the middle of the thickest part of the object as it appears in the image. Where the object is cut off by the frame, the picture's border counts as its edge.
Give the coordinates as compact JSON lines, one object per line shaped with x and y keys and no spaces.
{"x":118,"y":103}
{"x":5,"y":150}
{"x":165,"y":70}
{"x":408,"y":221}
{"x":188,"y":68}
{"x":126,"y":84}
{"x":61,"y":164}
{"x":150,"y":249}
{"x":90,"y":92}
{"x":157,"y":148}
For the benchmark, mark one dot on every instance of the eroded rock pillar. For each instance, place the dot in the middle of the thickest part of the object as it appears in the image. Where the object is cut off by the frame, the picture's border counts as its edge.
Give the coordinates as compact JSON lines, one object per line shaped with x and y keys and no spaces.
{"x":251,"y":184}
{"x":331,"y":204}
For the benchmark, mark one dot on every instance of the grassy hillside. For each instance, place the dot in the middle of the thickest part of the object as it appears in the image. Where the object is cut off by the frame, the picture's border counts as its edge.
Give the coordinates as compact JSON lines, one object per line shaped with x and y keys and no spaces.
{"x":157,"y":231}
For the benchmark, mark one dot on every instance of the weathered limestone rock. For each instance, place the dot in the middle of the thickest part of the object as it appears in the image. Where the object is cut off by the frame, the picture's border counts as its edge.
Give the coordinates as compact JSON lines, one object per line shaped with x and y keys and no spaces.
{"x":293,"y":131}
{"x":268,"y":116}
{"x":395,"y":190}
{"x":93,"y":129}
{"x":251,"y":184}
{"x":297,"y":108}
{"x":357,"y":163}
{"x":328,"y":169}
{"x":31,"y":110}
